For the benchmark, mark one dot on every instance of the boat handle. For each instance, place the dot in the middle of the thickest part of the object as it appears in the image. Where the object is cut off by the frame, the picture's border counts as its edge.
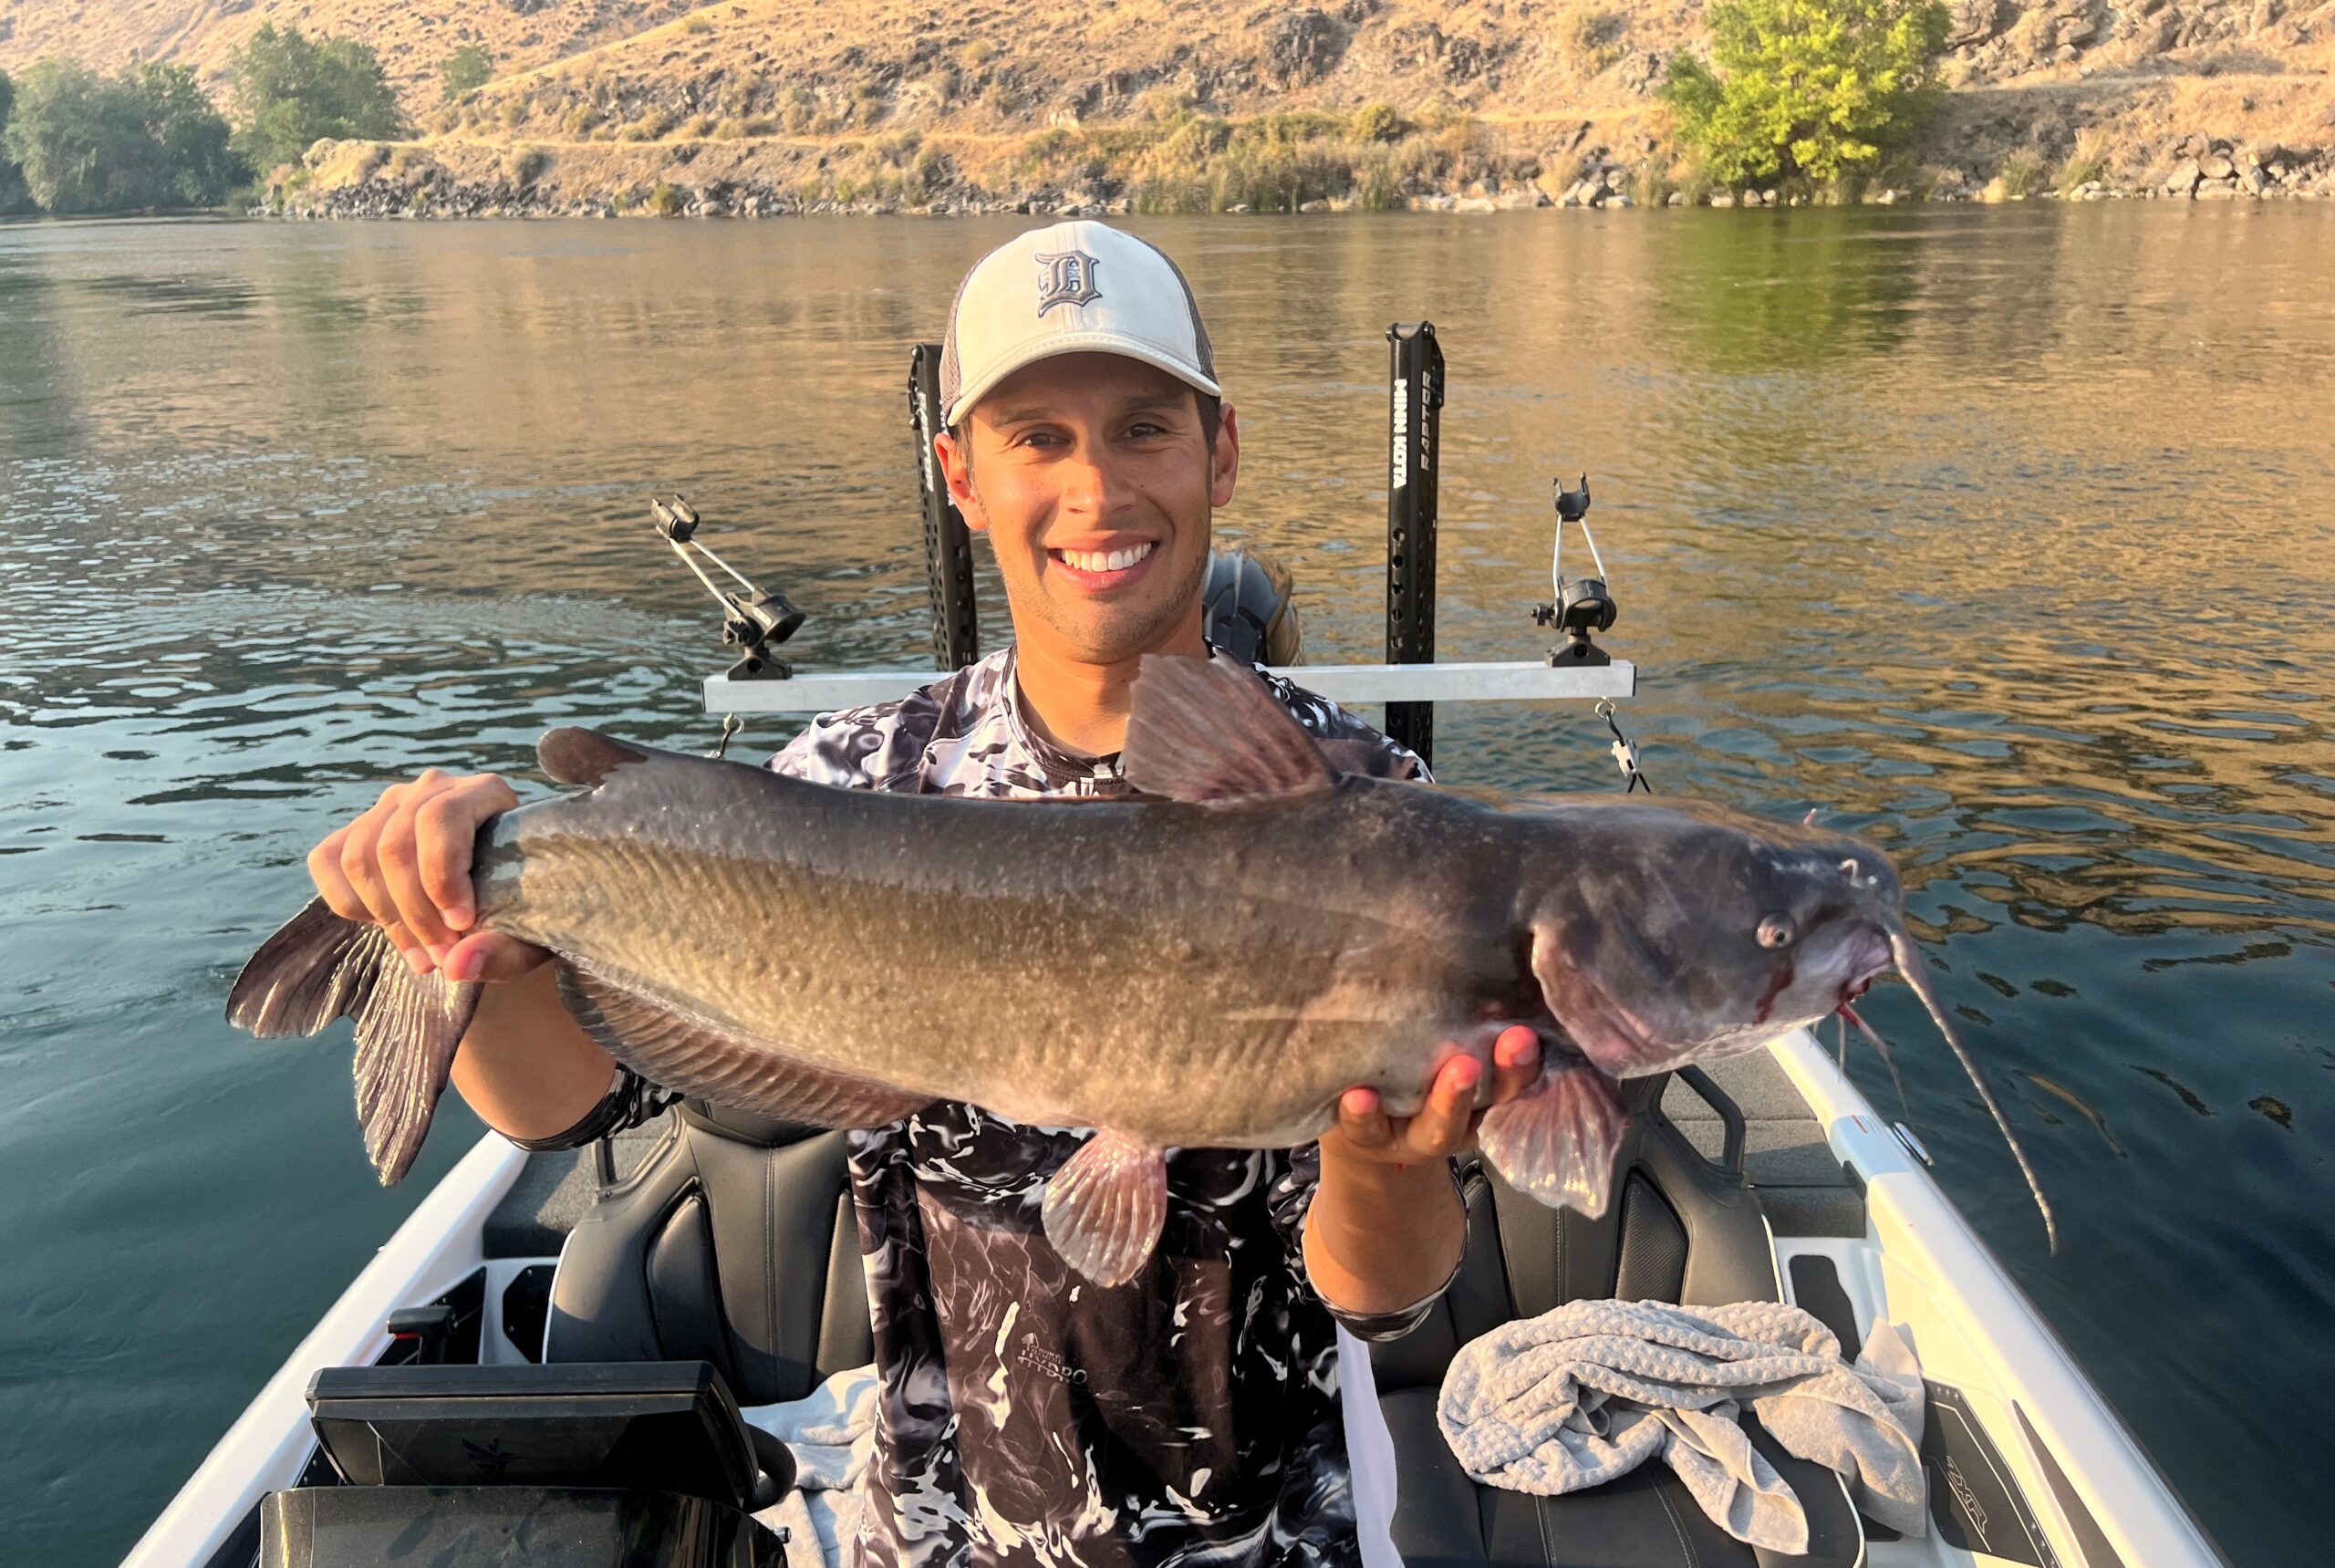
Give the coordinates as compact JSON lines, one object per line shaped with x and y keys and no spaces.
{"x":1730,"y":1118}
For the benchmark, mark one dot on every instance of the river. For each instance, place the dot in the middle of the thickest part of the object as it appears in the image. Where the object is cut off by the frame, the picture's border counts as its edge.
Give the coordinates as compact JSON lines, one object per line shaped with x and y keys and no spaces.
{"x":2001,"y":535}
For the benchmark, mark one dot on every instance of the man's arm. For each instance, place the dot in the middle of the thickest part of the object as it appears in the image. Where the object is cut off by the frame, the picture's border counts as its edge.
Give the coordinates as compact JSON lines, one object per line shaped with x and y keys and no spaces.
{"x":1387,"y":1230}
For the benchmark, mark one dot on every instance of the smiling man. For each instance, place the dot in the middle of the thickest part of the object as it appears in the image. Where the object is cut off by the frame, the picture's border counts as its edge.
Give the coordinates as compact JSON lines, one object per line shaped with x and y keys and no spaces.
{"x":1191,"y":1416}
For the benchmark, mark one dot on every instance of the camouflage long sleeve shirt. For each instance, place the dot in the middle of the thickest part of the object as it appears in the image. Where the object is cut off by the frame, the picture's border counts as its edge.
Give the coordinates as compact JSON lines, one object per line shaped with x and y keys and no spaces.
{"x":1189,"y":1418}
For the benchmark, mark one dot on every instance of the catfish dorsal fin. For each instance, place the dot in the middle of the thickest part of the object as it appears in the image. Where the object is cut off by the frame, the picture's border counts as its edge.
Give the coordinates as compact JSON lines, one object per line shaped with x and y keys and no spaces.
{"x":1208,"y":731}
{"x":570,"y":755}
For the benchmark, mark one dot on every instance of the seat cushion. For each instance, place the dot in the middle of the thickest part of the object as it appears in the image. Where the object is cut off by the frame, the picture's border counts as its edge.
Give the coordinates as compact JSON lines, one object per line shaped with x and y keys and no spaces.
{"x":1646,"y":1519}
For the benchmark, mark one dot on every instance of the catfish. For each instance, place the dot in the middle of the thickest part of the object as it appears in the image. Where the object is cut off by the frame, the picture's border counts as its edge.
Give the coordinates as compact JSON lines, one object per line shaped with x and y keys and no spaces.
{"x":1209,"y":964}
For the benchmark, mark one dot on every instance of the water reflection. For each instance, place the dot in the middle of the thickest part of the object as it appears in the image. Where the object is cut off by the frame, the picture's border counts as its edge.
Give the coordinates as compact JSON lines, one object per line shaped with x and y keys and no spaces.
{"x":1988,"y":533}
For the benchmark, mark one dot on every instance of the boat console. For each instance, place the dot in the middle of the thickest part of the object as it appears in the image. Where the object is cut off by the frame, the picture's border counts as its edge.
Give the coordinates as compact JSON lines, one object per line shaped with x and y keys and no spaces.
{"x":579,"y":1464}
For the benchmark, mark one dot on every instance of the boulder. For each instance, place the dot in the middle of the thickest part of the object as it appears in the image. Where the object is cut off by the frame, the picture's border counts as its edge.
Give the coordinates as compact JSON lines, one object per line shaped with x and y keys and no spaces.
{"x":2216,"y":166}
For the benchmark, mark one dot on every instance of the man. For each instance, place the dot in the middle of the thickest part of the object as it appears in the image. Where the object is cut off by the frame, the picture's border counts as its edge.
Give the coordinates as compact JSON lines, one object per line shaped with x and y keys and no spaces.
{"x":1190,"y":1416}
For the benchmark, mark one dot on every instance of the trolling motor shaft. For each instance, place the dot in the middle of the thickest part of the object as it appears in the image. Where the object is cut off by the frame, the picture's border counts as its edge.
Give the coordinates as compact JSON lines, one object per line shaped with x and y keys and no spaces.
{"x":751,"y":618}
{"x":1582,"y":606}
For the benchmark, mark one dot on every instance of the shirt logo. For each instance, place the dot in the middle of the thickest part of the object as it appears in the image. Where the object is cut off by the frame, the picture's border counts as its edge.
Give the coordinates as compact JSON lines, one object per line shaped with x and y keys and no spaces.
{"x":1065,"y":277}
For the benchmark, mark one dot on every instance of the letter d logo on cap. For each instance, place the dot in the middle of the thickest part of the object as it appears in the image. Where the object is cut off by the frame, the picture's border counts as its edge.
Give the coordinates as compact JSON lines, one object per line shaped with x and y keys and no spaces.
{"x":1067,"y":277}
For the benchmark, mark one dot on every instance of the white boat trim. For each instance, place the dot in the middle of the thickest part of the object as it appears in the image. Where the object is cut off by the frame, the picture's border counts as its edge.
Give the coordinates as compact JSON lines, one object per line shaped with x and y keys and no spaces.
{"x":437,"y":1247}
{"x":1350,"y":684}
{"x":1921,"y":1264}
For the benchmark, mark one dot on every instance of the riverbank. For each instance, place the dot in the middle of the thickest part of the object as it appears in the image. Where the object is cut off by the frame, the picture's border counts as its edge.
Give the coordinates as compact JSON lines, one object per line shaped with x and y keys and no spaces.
{"x":2265,"y":140}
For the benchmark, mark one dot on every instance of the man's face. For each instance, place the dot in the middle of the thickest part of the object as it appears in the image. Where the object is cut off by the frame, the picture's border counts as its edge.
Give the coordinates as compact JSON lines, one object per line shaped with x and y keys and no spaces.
{"x":1095,"y":482}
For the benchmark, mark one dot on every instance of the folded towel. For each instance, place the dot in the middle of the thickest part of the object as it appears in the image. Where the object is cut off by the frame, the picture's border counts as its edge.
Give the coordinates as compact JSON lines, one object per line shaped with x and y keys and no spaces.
{"x":1578,"y":1396}
{"x":831,"y":1431}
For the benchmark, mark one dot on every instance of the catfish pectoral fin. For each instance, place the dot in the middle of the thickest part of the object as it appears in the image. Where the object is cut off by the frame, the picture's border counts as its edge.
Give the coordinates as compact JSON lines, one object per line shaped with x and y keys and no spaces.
{"x":694,"y":1057}
{"x":1104,"y":1207}
{"x":1559,"y":1142}
{"x":320,"y":967}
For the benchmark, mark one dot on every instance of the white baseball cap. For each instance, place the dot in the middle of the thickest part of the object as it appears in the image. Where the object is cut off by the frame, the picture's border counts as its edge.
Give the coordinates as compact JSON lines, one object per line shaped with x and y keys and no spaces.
{"x":1076,"y":287}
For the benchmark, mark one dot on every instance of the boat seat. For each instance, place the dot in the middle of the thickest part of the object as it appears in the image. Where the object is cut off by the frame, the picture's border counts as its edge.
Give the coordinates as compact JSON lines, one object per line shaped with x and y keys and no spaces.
{"x":734,"y":1244}
{"x":1681,"y":1228}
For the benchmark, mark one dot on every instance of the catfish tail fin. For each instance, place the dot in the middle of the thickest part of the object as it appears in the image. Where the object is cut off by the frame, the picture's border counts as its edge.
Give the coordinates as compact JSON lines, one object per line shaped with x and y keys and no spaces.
{"x":320,"y":967}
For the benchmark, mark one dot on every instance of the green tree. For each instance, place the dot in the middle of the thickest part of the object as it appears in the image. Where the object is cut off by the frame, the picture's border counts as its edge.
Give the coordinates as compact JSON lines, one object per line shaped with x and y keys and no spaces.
{"x":292,"y":91}
{"x":1818,"y":87}
{"x":13,"y":197}
{"x":193,"y":135}
{"x":467,"y":69}
{"x":91,"y":143}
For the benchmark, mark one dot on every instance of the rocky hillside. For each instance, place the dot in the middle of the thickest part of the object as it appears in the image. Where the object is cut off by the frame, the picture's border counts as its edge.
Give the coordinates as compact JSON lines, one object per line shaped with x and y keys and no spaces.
{"x":773,"y":105}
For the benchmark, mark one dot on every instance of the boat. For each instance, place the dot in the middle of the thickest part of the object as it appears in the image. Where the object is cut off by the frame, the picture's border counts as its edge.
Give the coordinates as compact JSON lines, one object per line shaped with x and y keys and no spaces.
{"x":546,"y":1362}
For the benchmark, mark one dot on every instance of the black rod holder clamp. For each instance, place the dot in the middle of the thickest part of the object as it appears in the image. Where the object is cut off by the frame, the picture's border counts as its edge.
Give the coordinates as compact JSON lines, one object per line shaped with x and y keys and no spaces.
{"x":1582,"y":606}
{"x":751,"y":618}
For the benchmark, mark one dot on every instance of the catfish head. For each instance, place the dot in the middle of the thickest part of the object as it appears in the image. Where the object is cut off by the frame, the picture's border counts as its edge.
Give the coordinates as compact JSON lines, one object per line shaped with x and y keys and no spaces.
{"x":1702,"y":932}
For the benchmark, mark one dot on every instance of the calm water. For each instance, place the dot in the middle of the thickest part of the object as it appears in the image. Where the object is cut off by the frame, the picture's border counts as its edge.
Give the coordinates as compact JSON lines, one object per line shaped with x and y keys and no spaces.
{"x":2002,"y":535}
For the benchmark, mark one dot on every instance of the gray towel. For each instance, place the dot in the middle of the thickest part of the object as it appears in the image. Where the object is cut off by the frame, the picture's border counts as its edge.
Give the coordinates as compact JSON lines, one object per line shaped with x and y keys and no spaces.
{"x":1588,"y":1392}
{"x":831,"y":1431}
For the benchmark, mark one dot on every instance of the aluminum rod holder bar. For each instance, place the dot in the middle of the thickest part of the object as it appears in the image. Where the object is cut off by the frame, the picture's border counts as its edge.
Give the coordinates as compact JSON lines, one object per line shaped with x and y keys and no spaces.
{"x":1352,"y":684}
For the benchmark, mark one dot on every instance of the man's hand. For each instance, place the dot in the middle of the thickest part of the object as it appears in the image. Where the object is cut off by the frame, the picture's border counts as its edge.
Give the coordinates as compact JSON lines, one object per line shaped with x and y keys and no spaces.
{"x":405,"y":866}
{"x":1386,"y":1229}
{"x":1447,"y":1124}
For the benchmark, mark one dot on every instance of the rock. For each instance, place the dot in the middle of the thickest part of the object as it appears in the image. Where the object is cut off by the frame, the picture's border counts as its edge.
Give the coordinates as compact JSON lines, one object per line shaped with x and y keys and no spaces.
{"x":2255,"y":181}
{"x":2218,"y":166}
{"x":2185,"y":177}
{"x":1722,"y":198}
{"x":1767,"y":198}
{"x":1617,"y":199}
{"x":1973,"y":22}
{"x":1887,"y":198}
{"x":2063,"y":54}
{"x":1675,"y":199}
{"x":1316,"y":205}
{"x":1238,"y":207}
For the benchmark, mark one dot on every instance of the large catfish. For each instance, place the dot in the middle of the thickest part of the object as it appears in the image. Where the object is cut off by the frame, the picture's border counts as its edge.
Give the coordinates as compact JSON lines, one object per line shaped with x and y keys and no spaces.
{"x":1207,"y":968}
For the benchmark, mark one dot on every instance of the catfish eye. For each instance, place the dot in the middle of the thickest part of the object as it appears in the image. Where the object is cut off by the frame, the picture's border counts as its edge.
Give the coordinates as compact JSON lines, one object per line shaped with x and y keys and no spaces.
{"x":1775,"y":931}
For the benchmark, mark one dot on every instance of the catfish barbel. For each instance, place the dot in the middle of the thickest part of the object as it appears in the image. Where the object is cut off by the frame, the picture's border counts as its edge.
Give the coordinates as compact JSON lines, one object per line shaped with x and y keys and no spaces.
{"x":1208,"y":968}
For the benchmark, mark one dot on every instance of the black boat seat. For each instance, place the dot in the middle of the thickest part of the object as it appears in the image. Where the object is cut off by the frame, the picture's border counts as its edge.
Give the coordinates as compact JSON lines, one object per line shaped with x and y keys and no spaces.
{"x":1680,"y":1229}
{"x":733,"y":1243}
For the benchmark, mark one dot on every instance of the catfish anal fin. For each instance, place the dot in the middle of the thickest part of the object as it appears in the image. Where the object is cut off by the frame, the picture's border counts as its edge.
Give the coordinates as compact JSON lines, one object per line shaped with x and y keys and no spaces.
{"x":320,"y":967}
{"x":695,"y":1057}
{"x":1104,"y":1209}
{"x":1559,"y":1142}
{"x":1207,"y":731}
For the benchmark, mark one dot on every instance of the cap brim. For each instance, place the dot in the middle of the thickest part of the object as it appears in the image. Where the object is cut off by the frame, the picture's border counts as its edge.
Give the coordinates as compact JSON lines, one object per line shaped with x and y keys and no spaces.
{"x":1120,"y":343}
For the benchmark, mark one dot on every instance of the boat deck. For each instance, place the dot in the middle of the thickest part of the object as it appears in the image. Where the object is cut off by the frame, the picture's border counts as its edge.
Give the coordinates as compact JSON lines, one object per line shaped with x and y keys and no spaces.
{"x":553,"y":1191}
{"x":1804,"y":1189}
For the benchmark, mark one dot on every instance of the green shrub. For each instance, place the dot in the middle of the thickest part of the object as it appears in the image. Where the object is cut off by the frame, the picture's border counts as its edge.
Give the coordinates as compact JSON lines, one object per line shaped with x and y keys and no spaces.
{"x":465,"y":70}
{"x":1815,"y":87}
{"x":1589,"y":37}
{"x":526,"y":165}
{"x":2021,"y":174}
{"x":290,"y":91}
{"x":1380,"y":122}
{"x":2087,"y":162}
{"x":799,"y":112}
{"x":700,"y":25}
{"x":665,"y":201}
